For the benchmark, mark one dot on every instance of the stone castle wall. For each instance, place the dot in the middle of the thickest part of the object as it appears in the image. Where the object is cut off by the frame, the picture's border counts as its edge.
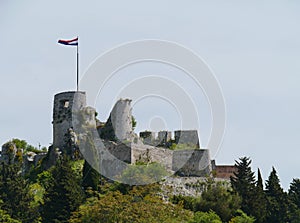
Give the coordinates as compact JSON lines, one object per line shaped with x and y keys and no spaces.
{"x":119,"y":139}
{"x":148,"y":154}
{"x":191,"y":162}
{"x":189,"y":137}
{"x":186,"y":137}
{"x":65,"y":104}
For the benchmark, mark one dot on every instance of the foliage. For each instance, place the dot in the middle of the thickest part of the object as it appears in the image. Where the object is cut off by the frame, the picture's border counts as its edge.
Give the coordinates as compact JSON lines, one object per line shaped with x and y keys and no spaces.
{"x":38,"y":192}
{"x":45,"y":178}
{"x":189,"y":203}
{"x":243,"y":182}
{"x":15,"y":193}
{"x":22,"y":144}
{"x":142,"y":205}
{"x":204,"y":217}
{"x":4,"y":217}
{"x":143,"y":174}
{"x":133,"y":121}
{"x":277,"y":199}
{"x":77,"y":166}
{"x":64,"y":194}
{"x":294,"y":192}
{"x":58,"y":194}
{"x":182,"y":146}
{"x":294,"y":198}
{"x":90,"y":178}
{"x":242,"y":218}
{"x":219,"y":199}
{"x":260,"y":201}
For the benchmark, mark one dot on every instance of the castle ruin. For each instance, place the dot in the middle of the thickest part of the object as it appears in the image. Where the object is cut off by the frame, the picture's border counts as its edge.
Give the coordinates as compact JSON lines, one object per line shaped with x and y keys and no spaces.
{"x":119,"y":138}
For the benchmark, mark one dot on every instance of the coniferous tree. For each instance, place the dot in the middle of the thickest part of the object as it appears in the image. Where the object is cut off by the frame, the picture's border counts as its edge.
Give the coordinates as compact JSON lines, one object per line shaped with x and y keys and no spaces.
{"x":243,"y":182}
{"x":294,"y":192}
{"x":294,"y":199}
{"x":260,"y":207}
{"x":15,"y":194}
{"x":64,"y":194}
{"x":91,"y":177}
{"x":277,"y":200}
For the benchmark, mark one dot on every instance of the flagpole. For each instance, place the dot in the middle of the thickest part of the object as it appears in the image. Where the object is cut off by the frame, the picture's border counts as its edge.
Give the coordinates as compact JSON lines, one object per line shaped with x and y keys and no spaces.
{"x":77,"y":64}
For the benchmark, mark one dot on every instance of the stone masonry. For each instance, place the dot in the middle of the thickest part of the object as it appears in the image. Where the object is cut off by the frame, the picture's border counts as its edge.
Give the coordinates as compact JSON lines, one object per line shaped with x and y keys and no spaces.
{"x":121,"y":142}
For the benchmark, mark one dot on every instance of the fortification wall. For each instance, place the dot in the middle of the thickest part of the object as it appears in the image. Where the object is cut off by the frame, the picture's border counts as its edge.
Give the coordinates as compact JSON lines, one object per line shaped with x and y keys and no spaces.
{"x":191,"y":162}
{"x":65,"y":104}
{"x":147,"y":153}
{"x":188,"y":137}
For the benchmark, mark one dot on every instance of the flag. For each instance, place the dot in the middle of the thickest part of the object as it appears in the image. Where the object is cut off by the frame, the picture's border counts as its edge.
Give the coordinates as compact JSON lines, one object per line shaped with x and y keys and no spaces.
{"x":72,"y":42}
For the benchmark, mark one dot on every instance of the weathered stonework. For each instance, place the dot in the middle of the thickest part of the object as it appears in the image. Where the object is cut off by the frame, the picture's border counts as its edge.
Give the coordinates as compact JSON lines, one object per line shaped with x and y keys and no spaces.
{"x":148,"y":154}
{"x":119,"y":124}
{"x":65,"y":104}
{"x":148,"y":137}
{"x":164,"y":137}
{"x":192,"y":162}
{"x":188,"y":137}
{"x":8,"y":152}
{"x":119,"y":139}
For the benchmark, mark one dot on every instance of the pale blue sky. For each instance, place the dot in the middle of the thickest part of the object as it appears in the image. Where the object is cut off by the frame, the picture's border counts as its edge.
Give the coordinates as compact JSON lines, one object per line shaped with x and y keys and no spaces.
{"x":253,"y":47}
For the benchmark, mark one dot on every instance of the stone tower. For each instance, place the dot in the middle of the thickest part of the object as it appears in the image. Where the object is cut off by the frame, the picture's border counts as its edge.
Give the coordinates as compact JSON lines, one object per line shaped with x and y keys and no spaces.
{"x":119,"y":124}
{"x":65,"y":104}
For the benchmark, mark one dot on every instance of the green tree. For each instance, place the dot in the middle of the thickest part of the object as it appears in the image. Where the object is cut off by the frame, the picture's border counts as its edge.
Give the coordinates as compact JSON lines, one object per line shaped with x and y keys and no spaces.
{"x":294,"y":192}
{"x":141,"y":205}
{"x":294,"y":198}
{"x":142,"y":173}
{"x":242,"y":218}
{"x":15,"y":194}
{"x":220,"y":199}
{"x":20,"y":144}
{"x":243,"y":182}
{"x":204,"y":217}
{"x":277,"y":200}
{"x":64,"y":194}
{"x":4,"y":217}
{"x":91,"y":177}
{"x":133,"y":121}
{"x":260,"y":203}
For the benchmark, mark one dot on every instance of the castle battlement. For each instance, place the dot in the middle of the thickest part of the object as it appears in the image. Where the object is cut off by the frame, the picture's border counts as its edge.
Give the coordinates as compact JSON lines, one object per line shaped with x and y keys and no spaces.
{"x":164,"y":138}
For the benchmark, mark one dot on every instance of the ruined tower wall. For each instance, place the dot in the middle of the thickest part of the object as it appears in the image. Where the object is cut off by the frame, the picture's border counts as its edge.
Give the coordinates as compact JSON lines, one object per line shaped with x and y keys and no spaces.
{"x":119,"y":125}
{"x":64,"y":104}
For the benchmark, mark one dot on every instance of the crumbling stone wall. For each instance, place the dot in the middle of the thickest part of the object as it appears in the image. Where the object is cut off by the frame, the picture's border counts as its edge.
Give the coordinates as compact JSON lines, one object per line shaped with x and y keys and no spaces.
{"x":164,"y":137}
{"x":148,"y":154}
{"x":191,"y":162}
{"x":148,"y":137}
{"x":119,"y":124}
{"x":188,"y":137}
{"x":120,"y":141}
{"x":65,"y":104}
{"x":8,"y":152}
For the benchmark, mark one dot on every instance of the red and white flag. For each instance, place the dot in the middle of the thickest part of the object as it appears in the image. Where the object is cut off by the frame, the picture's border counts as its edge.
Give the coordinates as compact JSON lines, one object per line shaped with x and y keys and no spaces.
{"x":72,"y":42}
